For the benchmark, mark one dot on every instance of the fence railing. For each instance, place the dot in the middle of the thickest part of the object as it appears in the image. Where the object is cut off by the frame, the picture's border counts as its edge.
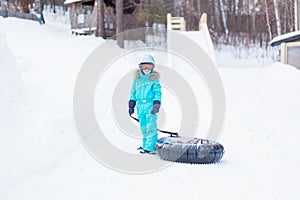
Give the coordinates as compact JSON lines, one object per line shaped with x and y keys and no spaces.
{"x":29,"y":16}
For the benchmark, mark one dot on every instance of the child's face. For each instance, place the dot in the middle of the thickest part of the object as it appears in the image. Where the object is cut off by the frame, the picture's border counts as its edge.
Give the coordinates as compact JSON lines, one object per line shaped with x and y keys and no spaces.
{"x":146,"y":71}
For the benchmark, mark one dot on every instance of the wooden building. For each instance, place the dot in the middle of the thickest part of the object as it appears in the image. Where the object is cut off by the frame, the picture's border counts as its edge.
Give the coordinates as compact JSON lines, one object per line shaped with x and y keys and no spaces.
{"x":83,"y":16}
{"x":290,"y":48}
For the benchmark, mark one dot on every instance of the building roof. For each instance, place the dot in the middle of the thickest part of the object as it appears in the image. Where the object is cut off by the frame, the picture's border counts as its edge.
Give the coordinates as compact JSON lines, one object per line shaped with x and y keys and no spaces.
{"x":71,"y":1}
{"x":128,"y":5}
{"x":289,"y":37}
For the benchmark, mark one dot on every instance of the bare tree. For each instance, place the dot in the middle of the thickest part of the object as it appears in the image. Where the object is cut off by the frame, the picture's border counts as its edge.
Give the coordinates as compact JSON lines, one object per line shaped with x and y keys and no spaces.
{"x":199,"y":8}
{"x":119,"y":14}
{"x":298,"y":8}
{"x":240,"y":9}
{"x":288,"y":17}
{"x":297,"y":12}
{"x":277,"y":17}
{"x":253,"y":15}
{"x":216,"y":15}
{"x":268,"y":20}
{"x":224,"y":19}
{"x":232,"y":25}
{"x":238,"y":21}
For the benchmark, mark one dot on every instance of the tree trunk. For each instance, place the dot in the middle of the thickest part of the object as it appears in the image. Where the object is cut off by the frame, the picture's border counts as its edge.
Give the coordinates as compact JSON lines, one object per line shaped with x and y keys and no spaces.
{"x":223,"y":15}
{"x":286,"y":18}
{"x":217,"y":17}
{"x":298,"y":2}
{"x":233,"y":22}
{"x":297,"y":12}
{"x":199,"y":8}
{"x":240,"y":8}
{"x":268,"y":21}
{"x":119,"y":13}
{"x":277,"y":16}
{"x":253,"y":14}
{"x":100,"y":19}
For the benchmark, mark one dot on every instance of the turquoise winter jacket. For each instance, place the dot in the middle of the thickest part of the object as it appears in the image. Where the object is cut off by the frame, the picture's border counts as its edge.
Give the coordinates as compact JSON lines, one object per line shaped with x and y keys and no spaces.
{"x":146,"y":87}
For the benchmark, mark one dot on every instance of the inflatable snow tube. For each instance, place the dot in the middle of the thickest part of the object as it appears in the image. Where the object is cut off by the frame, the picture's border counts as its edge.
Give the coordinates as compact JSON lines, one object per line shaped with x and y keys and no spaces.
{"x":189,"y":150}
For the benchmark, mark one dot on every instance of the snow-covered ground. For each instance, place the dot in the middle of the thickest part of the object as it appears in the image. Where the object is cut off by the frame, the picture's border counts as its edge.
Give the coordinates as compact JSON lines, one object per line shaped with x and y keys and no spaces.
{"x":42,"y":157}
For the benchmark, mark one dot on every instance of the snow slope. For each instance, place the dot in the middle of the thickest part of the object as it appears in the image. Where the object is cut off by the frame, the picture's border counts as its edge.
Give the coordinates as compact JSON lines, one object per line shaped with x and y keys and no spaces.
{"x":12,"y":85}
{"x":42,"y":157}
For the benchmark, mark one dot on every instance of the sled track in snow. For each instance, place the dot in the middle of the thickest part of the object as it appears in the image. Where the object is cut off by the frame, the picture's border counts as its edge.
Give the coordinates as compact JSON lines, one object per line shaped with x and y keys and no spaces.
{"x":189,"y":150}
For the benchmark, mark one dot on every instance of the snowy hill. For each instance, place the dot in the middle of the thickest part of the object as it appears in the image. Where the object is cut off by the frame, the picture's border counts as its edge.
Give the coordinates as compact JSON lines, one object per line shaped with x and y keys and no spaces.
{"x":42,"y":157}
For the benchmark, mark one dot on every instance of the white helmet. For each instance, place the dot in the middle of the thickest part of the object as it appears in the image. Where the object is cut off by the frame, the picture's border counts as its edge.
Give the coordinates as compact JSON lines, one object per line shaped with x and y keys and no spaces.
{"x":147,"y":59}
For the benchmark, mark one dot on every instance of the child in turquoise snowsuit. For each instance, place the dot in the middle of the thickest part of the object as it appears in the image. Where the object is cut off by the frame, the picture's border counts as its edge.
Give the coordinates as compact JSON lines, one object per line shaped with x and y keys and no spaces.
{"x":146,"y":96}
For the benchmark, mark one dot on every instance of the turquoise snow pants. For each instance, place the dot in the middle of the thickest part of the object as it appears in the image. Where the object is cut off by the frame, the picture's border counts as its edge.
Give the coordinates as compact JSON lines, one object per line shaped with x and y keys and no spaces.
{"x":147,"y":124}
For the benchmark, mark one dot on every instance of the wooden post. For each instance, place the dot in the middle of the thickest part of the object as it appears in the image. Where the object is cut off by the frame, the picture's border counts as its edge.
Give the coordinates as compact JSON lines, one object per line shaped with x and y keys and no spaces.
{"x":72,"y":16}
{"x":183,"y":24}
{"x":203,"y":20}
{"x":283,"y":53}
{"x":169,"y":21}
{"x":100,"y":32}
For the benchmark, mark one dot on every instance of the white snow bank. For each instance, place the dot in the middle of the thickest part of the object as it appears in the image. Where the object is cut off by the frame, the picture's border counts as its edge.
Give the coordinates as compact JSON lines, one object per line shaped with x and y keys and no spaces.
{"x":60,"y":21}
{"x":241,"y":57}
{"x":12,"y":88}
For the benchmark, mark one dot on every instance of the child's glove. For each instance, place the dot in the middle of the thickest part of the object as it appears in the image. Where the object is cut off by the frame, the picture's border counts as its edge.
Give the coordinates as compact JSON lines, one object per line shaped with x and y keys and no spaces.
{"x":131,"y":105}
{"x":156,"y":106}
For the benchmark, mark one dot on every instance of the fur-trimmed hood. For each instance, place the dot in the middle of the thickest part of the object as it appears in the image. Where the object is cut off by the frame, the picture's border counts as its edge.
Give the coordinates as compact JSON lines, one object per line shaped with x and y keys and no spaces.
{"x":153,"y":76}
